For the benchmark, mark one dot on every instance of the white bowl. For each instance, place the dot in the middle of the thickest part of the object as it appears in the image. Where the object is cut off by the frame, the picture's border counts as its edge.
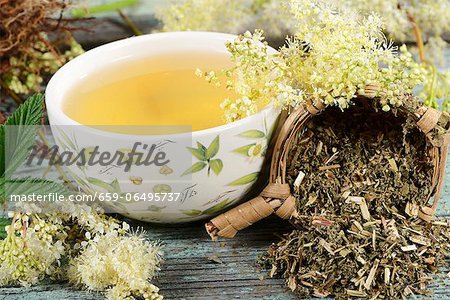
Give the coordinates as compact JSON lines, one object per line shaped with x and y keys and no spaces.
{"x":201,"y":194}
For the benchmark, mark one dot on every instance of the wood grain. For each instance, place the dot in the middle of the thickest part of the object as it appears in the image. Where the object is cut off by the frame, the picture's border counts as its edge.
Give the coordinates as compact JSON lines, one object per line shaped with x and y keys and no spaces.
{"x":188,"y":271}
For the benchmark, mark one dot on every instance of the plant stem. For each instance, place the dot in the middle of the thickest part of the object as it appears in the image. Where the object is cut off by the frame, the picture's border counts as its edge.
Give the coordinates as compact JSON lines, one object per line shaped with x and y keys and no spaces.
{"x":2,"y":118}
{"x":58,"y":168}
{"x":102,"y":8}
{"x":129,"y":23}
{"x":418,"y":35}
{"x":13,"y":95}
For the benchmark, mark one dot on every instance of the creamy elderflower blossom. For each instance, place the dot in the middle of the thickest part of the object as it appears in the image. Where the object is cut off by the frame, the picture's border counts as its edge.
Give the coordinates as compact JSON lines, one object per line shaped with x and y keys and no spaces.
{"x":334,"y":56}
{"x":258,"y":76}
{"x":432,"y":16}
{"x":205,"y":15}
{"x":277,"y":19}
{"x":122,"y":265}
{"x":103,"y":254}
{"x":29,"y":253}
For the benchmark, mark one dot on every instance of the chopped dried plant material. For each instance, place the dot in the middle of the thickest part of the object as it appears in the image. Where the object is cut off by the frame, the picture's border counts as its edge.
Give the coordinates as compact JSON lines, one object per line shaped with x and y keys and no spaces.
{"x":356,"y":233}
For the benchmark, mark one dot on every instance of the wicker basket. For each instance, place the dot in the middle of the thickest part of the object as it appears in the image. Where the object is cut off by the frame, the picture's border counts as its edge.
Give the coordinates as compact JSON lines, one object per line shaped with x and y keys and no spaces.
{"x":277,"y":198}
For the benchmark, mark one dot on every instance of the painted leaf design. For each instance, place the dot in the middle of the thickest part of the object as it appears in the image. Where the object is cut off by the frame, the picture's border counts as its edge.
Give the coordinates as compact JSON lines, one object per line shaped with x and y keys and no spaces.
{"x":68,"y":144}
{"x":136,"y":180}
{"x":192,"y":212}
{"x":88,"y":151}
{"x":80,"y":181}
{"x":216,"y":165}
{"x":197,"y":167}
{"x":244,"y":149}
{"x":217,"y":208}
{"x":201,"y":147}
{"x":199,"y":154}
{"x":213,"y":148}
{"x":112,"y":188}
{"x":162,"y":188}
{"x":115,"y":185}
{"x":156,"y":208}
{"x":245,"y":179}
{"x":253,"y":134}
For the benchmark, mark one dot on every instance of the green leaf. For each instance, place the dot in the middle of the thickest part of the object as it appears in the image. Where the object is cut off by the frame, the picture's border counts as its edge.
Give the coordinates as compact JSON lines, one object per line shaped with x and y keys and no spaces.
{"x":197,"y":167}
{"x":245,"y":179}
{"x":253,"y":134}
{"x":3,"y":223}
{"x":200,"y":155}
{"x":101,"y":8}
{"x":244,"y":149}
{"x":22,"y":138}
{"x":36,"y":186}
{"x":213,"y":148}
{"x":216,"y":165}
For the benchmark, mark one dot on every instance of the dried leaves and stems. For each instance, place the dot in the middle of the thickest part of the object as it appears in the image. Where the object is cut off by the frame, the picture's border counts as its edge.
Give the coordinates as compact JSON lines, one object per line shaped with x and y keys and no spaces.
{"x":27,"y":53}
{"x":359,"y":178}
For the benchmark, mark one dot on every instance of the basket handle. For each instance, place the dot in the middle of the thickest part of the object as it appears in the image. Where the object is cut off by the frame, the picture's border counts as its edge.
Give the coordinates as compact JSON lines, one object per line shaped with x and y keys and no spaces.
{"x":428,"y":120}
{"x":276,"y":197}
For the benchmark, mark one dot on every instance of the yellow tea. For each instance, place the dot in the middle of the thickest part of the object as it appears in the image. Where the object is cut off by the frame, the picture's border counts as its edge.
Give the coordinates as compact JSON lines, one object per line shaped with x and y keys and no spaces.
{"x":162,"y":90}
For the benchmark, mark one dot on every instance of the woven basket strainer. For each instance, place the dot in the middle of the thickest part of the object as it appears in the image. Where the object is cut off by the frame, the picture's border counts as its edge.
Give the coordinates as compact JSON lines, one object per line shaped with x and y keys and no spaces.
{"x":277,"y":198}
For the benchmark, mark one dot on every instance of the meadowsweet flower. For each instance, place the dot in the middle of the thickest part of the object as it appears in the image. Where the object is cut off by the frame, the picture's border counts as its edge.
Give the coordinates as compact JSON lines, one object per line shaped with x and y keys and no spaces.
{"x":334,"y":56}
{"x":103,"y":254}
{"x":28,"y":254}
{"x":335,"y":51}
{"x":205,"y":15}
{"x":122,"y":265}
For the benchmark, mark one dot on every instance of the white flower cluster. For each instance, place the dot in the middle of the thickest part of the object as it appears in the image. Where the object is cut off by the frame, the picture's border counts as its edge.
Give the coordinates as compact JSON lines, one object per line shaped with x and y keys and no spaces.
{"x":274,"y":17}
{"x":205,"y":15}
{"x":432,"y":16}
{"x":102,"y":254}
{"x":232,"y":16}
{"x":277,"y":18}
{"x":122,"y":265}
{"x":258,"y":77}
{"x":334,"y":56}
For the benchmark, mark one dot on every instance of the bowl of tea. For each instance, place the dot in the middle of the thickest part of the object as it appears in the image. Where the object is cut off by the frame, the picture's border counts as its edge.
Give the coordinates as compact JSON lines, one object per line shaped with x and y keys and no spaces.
{"x":147,"y":134}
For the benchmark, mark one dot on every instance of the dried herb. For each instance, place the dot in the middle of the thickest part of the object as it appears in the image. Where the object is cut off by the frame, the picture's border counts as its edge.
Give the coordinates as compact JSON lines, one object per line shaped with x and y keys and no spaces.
{"x":359,"y":177}
{"x":27,"y":52}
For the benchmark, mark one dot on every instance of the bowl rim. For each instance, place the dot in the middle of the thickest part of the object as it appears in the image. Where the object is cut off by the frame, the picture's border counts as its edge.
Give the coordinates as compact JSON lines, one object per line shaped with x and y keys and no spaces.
{"x":57,"y":84}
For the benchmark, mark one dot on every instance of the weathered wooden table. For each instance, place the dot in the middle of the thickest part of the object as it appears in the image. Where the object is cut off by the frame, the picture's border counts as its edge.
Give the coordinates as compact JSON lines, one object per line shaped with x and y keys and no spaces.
{"x":195,"y":267}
